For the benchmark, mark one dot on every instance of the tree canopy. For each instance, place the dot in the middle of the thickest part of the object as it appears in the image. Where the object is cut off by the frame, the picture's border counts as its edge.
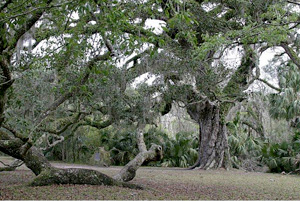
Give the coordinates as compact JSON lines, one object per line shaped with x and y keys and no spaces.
{"x":69,"y":64}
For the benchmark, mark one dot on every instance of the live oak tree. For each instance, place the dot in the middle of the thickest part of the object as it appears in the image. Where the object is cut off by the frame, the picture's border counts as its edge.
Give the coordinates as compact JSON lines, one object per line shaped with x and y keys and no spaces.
{"x":78,"y":46}
{"x":70,"y":53}
{"x":193,"y":71}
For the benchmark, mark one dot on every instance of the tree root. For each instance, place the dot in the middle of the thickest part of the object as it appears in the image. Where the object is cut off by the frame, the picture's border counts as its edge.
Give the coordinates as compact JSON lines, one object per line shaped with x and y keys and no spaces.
{"x":78,"y":176}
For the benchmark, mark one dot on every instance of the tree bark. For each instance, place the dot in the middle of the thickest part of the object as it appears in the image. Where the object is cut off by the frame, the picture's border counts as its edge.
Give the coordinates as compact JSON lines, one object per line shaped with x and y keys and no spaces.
{"x":128,"y":172}
{"x":77,"y":176}
{"x":213,"y":146}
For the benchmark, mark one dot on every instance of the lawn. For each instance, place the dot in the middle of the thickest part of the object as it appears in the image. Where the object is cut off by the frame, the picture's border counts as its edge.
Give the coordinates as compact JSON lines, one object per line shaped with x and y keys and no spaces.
{"x":159,"y":183}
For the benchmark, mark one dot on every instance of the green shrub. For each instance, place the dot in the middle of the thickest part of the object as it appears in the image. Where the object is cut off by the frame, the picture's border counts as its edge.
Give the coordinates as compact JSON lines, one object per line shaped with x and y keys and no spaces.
{"x":181,"y":151}
{"x":282,"y":156}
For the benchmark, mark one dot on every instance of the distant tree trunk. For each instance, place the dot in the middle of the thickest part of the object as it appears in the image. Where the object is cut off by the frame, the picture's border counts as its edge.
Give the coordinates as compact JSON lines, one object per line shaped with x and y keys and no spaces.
{"x":63,"y":156}
{"x":73,"y":149}
{"x":213,"y":146}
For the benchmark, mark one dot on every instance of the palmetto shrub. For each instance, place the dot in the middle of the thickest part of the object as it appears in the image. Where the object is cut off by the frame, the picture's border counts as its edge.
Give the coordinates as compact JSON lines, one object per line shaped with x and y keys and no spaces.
{"x":284,"y":156}
{"x":181,"y":151}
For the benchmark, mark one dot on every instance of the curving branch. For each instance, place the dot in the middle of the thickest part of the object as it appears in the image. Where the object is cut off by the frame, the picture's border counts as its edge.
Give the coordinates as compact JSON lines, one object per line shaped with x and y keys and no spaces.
{"x":64,"y":128}
{"x":98,"y":125}
{"x":50,"y":145}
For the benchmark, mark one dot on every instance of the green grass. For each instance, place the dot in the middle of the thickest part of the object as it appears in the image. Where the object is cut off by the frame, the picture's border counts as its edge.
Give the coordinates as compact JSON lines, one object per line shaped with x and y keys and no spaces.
{"x":161,"y":183}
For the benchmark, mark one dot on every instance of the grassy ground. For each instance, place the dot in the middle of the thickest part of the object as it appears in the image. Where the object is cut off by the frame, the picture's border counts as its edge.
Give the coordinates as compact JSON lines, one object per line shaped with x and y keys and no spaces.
{"x":160,"y":183}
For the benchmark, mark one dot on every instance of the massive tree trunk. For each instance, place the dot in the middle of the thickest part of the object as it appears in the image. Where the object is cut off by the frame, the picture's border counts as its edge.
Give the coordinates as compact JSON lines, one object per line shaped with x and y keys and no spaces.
{"x":210,"y":114}
{"x":213,"y":146}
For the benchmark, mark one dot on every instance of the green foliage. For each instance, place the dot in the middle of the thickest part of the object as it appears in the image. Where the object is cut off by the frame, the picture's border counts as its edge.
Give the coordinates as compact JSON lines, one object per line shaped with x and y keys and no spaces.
{"x":181,"y":151}
{"x":282,"y":156}
{"x":121,"y":143}
{"x":243,"y":145}
{"x":286,"y":105}
{"x":248,"y":151}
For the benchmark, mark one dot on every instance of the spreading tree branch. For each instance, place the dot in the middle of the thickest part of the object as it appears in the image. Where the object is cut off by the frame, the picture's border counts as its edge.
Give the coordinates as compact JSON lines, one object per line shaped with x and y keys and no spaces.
{"x":75,"y":90}
{"x":64,"y":128}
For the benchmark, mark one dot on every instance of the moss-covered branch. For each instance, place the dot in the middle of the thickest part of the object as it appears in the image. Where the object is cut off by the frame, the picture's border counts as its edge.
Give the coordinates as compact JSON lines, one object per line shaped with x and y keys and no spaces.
{"x":77,"y":176}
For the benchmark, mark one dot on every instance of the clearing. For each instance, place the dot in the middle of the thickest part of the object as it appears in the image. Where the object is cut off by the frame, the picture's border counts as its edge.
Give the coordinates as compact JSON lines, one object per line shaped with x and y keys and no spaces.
{"x":160,"y":183}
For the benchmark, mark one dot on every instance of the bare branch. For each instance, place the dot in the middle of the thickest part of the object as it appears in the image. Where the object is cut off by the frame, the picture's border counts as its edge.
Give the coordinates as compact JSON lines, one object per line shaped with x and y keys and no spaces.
{"x":50,"y":145}
{"x":269,"y":84}
{"x":4,"y":163}
{"x":11,"y":167}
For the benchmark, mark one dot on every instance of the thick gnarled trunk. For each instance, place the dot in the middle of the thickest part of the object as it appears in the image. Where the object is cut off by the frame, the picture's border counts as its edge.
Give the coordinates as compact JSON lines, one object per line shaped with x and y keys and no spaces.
{"x":213,"y":145}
